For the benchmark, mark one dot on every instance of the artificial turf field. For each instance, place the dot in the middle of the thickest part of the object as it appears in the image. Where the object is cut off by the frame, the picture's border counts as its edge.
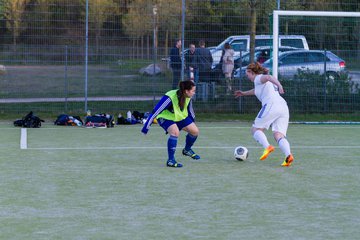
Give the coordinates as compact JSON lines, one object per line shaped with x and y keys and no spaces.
{"x":77,"y":183}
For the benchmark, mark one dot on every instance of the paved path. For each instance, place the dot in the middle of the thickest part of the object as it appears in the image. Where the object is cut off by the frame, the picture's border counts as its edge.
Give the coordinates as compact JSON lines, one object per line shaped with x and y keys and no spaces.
{"x":80,"y":99}
{"x":355,"y":76}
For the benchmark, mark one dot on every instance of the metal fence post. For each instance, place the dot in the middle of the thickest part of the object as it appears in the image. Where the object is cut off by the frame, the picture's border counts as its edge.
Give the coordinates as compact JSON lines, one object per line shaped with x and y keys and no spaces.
{"x":240,"y":78}
{"x":182,"y":39}
{"x":86,"y":55}
{"x":155,"y":50}
{"x":66,"y":87}
{"x":325,"y":80}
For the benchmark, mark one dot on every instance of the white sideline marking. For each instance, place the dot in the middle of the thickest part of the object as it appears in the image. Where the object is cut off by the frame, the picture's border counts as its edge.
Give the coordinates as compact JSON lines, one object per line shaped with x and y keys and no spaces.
{"x":23,"y":139}
{"x":180,"y":147}
{"x":346,"y":126}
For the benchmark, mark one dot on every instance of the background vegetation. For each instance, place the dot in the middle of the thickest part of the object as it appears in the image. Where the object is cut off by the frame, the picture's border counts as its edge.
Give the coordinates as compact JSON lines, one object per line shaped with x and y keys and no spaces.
{"x":57,"y":49}
{"x":114,"y":22}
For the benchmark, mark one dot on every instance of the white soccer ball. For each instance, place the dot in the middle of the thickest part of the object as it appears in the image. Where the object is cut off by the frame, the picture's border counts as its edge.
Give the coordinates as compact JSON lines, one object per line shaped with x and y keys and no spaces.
{"x":241,"y":153}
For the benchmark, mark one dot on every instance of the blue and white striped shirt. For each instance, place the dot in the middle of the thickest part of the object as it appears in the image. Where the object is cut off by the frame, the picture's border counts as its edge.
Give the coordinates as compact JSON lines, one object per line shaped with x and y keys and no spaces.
{"x":164,"y":103}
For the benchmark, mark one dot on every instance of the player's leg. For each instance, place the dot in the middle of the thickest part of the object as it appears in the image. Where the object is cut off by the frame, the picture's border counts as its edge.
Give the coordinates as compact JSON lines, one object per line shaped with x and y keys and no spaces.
{"x":171,"y":128}
{"x":176,"y":78}
{"x":284,"y":146}
{"x":228,"y":81}
{"x":260,"y":137}
{"x":193,"y":132}
{"x":279,"y":128}
{"x":262,"y":122}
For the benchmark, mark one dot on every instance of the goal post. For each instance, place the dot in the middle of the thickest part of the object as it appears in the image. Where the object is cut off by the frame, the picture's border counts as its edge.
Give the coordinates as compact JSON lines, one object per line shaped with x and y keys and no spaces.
{"x":278,"y":13}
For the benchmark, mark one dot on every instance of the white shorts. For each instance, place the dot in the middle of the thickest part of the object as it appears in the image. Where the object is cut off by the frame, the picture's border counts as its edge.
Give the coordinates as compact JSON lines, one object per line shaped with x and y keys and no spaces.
{"x":275,"y":115}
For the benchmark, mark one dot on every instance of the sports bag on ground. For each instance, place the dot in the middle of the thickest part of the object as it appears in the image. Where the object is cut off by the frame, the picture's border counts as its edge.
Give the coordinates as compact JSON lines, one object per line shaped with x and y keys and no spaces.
{"x":29,"y":121}
{"x":66,"y":120}
{"x":99,"y":121}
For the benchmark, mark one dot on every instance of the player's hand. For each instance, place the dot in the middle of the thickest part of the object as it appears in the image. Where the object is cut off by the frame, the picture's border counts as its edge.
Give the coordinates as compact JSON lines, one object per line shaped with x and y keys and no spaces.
{"x":239,"y":93}
{"x":281,"y":90}
{"x":144,"y":130}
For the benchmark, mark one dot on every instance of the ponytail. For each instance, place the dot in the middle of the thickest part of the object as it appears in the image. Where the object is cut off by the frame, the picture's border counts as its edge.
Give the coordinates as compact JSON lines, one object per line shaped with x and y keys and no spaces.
{"x":257,"y":68}
{"x":183,"y":86}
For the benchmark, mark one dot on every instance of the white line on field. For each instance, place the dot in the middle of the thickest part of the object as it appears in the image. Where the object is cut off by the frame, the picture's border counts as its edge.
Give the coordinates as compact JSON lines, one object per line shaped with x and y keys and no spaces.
{"x":180,"y":147}
{"x":23,"y":139}
{"x":201,"y":127}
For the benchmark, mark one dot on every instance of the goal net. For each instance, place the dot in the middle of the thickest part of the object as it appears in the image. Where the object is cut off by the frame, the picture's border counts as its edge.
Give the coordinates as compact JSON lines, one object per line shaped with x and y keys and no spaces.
{"x":325,"y":78}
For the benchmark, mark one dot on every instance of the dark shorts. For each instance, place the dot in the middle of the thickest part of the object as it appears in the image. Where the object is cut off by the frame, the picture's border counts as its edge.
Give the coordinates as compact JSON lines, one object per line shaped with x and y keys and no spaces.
{"x":165,"y":124}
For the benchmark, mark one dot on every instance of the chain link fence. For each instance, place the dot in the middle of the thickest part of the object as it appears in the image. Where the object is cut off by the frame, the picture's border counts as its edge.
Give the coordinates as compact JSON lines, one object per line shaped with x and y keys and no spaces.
{"x":113,"y":56}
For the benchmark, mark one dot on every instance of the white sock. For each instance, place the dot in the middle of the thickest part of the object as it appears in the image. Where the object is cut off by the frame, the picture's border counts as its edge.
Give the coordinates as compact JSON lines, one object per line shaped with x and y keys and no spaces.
{"x":260,"y":137}
{"x":284,"y":145}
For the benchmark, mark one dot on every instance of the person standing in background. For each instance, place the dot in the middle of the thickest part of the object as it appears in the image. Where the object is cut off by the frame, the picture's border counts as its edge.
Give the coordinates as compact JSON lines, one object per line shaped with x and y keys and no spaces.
{"x":228,"y":66}
{"x":175,"y":63}
{"x":190,"y":68}
{"x":203,"y":61}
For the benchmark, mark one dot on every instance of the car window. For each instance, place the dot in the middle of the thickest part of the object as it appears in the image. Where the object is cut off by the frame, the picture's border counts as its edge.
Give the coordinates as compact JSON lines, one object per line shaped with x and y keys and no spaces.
{"x":239,"y":45}
{"x":316,"y":57}
{"x":298,"y":43}
{"x":263,"y":42}
{"x":294,"y":58}
{"x":245,"y":60}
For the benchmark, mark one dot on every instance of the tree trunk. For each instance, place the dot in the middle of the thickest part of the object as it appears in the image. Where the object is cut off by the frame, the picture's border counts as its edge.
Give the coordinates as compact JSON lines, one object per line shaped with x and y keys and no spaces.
{"x":133,"y":49}
{"x":14,"y":36}
{"x":97,"y":43}
{"x":142,"y":47}
{"x":166,"y":43}
{"x":252,"y":29}
{"x":147,"y":47}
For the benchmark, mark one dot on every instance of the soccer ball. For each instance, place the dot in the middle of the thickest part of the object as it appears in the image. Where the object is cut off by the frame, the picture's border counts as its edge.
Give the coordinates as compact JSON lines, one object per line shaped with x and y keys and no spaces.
{"x":241,"y":153}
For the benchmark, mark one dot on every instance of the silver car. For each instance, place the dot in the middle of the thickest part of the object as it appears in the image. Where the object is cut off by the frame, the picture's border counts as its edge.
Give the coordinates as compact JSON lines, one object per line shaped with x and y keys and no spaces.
{"x":242,"y":43}
{"x":306,"y":60}
{"x":262,"y":54}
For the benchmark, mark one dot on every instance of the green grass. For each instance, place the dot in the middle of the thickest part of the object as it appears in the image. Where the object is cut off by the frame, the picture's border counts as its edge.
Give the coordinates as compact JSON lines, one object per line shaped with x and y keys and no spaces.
{"x":103,"y":80}
{"x":76,"y":183}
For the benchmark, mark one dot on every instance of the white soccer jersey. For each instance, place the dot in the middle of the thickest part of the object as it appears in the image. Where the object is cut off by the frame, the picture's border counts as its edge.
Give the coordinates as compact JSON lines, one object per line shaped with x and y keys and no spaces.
{"x":274,"y":111}
{"x":266,"y":92}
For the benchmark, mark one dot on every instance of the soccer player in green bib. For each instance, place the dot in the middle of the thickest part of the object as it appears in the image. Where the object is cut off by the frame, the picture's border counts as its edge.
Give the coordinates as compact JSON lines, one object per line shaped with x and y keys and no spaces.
{"x":174,"y":112}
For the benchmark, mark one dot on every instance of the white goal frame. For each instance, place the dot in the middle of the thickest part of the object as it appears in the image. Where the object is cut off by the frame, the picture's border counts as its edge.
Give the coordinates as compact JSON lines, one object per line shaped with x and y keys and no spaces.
{"x":278,"y":13}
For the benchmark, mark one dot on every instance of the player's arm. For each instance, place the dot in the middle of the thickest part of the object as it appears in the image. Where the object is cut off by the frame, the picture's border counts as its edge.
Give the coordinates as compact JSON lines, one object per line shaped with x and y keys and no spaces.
{"x":191,"y":111}
{"x":240,"y":93}
{"x":164,"y":103}
{"x":273,"y":80}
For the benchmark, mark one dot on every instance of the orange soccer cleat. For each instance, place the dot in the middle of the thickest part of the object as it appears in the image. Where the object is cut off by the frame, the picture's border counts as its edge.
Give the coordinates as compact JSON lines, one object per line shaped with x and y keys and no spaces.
{"x":266,"y":152}
{"x":288,"y":160}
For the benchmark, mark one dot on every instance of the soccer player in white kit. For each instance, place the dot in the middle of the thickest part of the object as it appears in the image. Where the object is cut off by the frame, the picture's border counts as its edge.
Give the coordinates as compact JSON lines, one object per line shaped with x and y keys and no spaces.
{"x":274,"y":111}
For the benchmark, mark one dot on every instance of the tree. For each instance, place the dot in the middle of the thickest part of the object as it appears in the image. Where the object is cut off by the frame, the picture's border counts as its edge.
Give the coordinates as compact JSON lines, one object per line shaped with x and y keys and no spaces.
{"x":99,"y":12}
{"x":1,"y":10}
{"x":291,"y":5}
{"x":13,"y":13}
{"x":170,"y":14}
{"x":42,"y":28}
{"x":139,"y":20}
{"x":209,"y":17}
{"x":252,"y":5}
